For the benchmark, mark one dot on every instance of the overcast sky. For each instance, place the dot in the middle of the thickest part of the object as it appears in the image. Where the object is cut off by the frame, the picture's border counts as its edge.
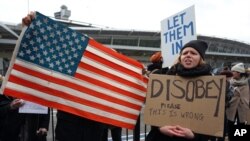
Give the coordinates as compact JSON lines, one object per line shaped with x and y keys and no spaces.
{"x":220,"y":18}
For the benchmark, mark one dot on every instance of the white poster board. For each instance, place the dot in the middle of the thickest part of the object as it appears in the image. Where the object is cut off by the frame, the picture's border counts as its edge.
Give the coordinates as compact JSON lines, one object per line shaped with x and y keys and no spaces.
{"x":33,"y":108}
{"x":175,"y":32}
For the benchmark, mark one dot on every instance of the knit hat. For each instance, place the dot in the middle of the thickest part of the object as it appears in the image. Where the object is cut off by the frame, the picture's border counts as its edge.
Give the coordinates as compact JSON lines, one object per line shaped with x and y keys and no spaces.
{"x":198,"y":45}
{"x":239,"y":68}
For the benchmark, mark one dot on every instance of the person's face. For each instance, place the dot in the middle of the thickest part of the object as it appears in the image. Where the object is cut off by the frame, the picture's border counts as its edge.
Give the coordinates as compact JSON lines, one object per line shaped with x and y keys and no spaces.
{"x":190,"y":58}
{"x":236,"y":75}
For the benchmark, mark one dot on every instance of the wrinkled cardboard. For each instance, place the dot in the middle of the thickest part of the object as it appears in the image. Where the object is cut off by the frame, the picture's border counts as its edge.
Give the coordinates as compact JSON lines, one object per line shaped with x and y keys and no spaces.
{"x":197,"y":103}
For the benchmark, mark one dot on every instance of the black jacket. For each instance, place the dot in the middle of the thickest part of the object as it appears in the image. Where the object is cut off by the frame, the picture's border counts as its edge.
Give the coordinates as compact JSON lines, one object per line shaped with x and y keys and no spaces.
{"x":71,"y":127}
{"x":11,"y":122}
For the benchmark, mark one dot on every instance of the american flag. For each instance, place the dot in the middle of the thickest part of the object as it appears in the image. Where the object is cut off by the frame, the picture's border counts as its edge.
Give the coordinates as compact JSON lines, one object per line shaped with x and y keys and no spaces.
{"x":58,"y":67}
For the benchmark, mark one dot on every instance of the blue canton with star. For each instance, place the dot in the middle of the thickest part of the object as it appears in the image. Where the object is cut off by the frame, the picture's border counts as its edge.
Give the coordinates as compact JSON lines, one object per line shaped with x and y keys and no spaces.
{"x":52,"y":45}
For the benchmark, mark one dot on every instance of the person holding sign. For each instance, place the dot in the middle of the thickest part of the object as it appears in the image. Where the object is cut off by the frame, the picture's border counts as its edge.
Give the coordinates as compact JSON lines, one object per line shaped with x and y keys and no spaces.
{"x":190,"y":63}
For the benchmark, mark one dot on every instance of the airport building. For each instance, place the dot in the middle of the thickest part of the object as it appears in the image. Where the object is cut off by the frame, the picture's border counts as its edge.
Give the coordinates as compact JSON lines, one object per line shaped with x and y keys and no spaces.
{"x":136,"y":44}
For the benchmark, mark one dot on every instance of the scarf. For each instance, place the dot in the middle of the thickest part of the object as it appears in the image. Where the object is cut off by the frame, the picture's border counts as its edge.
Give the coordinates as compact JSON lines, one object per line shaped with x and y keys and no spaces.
{"x":178,"y":69}
{"x":240,"y":82}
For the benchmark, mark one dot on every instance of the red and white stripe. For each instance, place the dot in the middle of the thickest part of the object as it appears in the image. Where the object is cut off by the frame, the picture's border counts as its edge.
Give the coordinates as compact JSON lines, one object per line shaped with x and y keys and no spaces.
{"x":108,"y":87}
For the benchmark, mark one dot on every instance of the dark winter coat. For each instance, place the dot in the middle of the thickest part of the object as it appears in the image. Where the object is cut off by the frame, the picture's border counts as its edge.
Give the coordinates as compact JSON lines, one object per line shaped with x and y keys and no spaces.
{"x":33,"y":122}
{"x":11,"y":121}
{"x":74,"y":128}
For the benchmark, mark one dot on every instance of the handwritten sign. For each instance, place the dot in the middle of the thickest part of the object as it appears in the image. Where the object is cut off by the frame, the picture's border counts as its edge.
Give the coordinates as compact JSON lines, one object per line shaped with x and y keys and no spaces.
{"x":33,"y":108}
{"x":194,"y":103}
{"x":175,"y":32}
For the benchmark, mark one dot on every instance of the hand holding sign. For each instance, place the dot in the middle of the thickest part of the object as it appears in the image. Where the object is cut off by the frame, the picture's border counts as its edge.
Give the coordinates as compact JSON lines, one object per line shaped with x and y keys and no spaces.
{"x":177,"y":131}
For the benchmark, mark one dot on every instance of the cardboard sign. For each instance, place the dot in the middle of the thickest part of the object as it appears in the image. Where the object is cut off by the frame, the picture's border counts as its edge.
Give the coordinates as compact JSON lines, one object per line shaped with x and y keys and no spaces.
{"x":175,"y":32}
{"x":197,"y":103}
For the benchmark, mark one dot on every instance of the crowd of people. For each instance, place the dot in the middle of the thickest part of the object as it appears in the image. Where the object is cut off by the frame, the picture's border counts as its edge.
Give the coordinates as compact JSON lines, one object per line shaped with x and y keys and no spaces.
{"x":69,"y":127}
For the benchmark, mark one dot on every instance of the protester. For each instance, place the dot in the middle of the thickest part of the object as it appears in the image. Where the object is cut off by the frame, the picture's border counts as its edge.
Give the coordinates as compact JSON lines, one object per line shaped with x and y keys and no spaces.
{"x":156,"y":64}
{"x":10,"y":120}
{"x":229,"y":89}
{"x":229,"y":93}
{"x":239,"y":103}
{"x":190,"y":63}
{"x":36,"y":127}
{"x":156,"y":61}
{"x":70,"y":127}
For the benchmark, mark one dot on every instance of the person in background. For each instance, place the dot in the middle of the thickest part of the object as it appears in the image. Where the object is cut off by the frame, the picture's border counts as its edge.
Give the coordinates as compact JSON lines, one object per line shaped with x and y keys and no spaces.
{"x":190,"y":63}
{"x":10,"y":120}
{"x":229,"y":93}
{"x":71,"y":127}
{"x":156,"y":61}
{"x":156,"y":64}
{"x":229,"y":89}
{"x":35,"y":126}
{"x":239,"y":103}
